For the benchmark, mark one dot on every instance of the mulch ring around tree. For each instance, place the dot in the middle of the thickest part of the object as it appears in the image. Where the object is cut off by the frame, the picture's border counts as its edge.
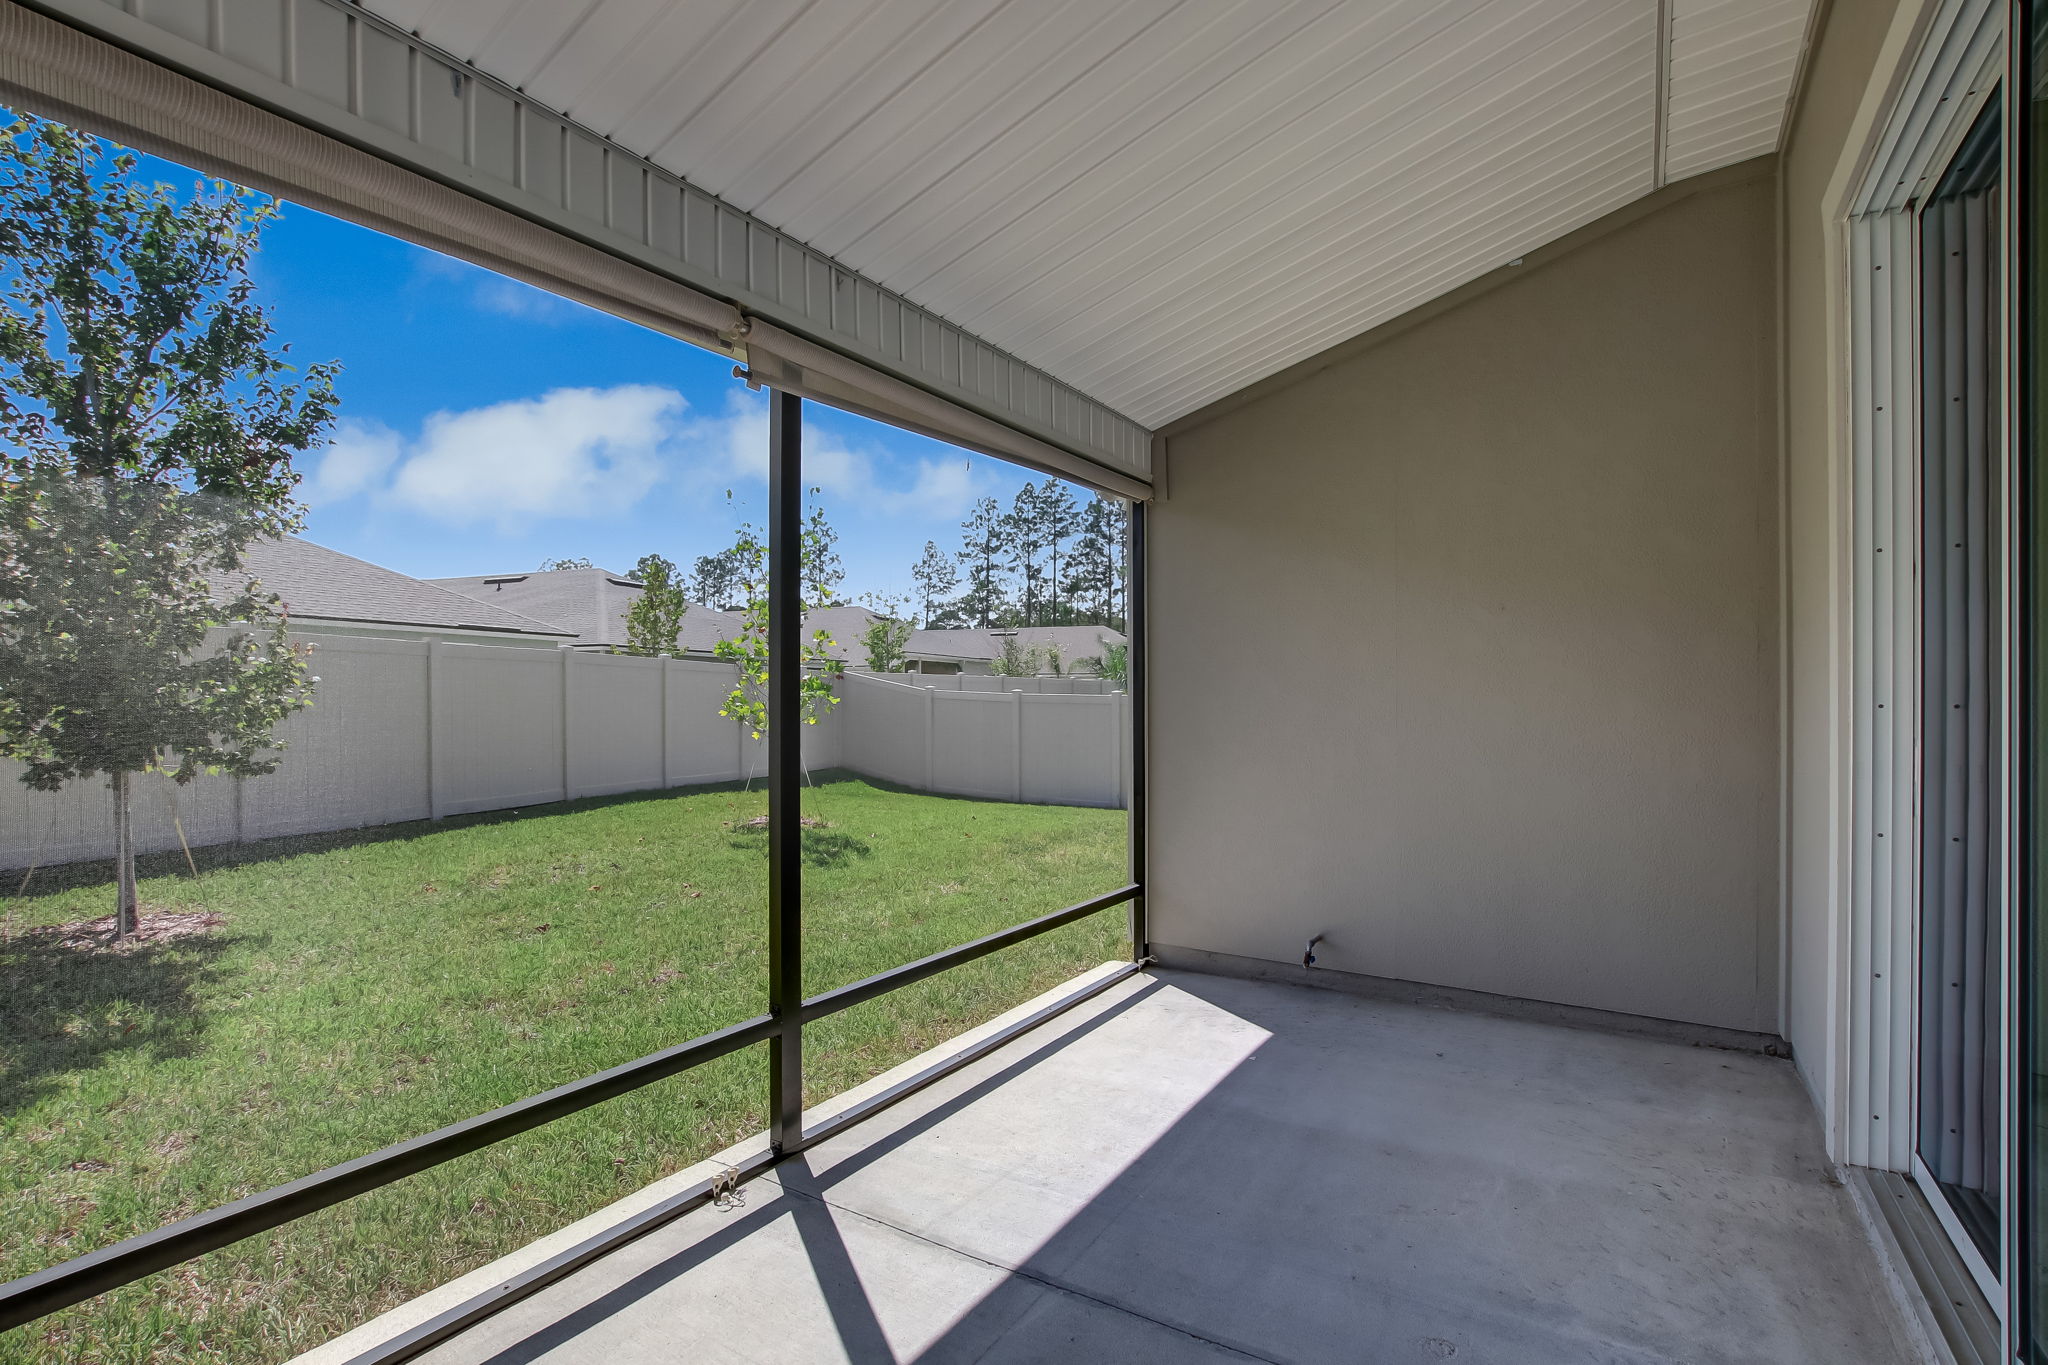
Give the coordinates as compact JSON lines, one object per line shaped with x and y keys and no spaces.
{"x":152,"y":926}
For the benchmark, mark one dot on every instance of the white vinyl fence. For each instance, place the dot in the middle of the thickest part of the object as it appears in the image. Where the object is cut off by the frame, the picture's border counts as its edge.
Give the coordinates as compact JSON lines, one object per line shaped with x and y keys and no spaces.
{"x":983,"y":682}
{"x":411,"y":730}
{"x":1016,"y":745}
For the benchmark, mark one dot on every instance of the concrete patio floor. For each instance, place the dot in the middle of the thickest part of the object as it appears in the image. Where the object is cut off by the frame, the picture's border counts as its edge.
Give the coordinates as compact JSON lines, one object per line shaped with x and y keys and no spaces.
{"x":1198,"y":1168}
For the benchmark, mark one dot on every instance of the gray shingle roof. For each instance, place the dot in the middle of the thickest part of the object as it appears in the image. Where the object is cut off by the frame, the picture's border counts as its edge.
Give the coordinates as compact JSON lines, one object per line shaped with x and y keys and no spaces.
{"x":845,"y":625}
{"x":319,"y":584}
{"x":1074,"y":642}
{"x":589,"y":604}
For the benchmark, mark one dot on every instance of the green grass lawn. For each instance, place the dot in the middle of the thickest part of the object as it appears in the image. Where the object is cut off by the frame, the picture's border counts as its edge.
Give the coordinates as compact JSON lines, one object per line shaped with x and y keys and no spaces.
{"x":364,"y":987}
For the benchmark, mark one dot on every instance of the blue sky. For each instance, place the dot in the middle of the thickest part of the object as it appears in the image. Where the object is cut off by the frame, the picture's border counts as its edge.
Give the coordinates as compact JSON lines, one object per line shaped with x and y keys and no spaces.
{"x":487,"y":425}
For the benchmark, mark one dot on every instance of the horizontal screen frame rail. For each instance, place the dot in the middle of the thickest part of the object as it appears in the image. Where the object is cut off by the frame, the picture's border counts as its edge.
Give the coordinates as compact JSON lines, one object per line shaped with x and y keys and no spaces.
{"x":82,"y":1277}
{"x":880,"y":984}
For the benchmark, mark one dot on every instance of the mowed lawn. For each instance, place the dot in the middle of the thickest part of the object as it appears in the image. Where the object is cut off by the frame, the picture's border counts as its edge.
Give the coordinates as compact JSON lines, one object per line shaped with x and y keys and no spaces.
{"x":369,"y":986}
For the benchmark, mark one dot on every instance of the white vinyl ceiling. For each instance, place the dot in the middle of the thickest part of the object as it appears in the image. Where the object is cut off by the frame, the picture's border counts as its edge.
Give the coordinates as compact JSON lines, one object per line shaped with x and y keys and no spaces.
{"x":1157,"y":201}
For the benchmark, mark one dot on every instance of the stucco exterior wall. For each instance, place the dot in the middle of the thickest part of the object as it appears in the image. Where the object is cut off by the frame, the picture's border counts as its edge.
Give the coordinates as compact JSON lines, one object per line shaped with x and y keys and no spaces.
{"x":1512,"y":723}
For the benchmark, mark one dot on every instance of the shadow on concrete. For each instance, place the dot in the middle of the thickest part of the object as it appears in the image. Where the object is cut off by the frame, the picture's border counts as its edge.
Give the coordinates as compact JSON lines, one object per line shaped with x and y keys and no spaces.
{"x":802,"y":1194}
{"x":1251,"y":1171}
{"x":1413,"y":1186}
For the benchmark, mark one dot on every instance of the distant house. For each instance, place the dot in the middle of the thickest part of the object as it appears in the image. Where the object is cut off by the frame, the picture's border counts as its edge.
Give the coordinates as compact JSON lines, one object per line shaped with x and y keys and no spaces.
{"x":976,"y":651}
{"x":955,"y":651}
{"x":590,"y":605}
{"x":586,"y":609}
{"x":328,"y":592}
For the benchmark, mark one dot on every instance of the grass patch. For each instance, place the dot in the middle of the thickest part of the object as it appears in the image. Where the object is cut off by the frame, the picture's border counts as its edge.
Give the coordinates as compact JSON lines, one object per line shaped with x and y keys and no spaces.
{"x":364,"y":987}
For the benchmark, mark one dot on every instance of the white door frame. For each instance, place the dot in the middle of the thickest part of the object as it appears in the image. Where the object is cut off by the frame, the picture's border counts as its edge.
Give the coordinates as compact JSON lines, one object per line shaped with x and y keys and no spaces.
{"x":1959,"y":62}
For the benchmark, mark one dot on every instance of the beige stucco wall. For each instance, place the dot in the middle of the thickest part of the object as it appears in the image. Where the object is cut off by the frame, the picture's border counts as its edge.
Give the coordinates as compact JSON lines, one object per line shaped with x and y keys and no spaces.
{"x":1465,"y":637}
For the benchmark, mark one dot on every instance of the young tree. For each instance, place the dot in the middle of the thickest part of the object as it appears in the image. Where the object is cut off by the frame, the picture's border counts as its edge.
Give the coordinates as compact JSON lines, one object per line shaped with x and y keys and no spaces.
{"x":747,"y":703}
{"x":822,"y":573}
{"x":887,"y":637}
{"x":981,"y":554}
{"x":1015,"y":661}
{"x":578,"y":562}
{"x":1024,"y":541}
{"x":147,"y":426}
{"x":935,"y":576}
{"x":655,"y":620}
{"x":717,"y":580}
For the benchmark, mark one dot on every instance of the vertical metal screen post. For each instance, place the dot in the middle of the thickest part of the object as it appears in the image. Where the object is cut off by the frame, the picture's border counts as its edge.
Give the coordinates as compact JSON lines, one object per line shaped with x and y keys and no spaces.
{"x":2021,"y":1251}
{"x":1137,"y":669}
{"x":785,"y":771}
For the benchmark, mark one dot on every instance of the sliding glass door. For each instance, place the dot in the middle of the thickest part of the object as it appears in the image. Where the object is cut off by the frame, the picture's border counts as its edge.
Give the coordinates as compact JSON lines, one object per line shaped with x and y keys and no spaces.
{"x":1958,"y":1137}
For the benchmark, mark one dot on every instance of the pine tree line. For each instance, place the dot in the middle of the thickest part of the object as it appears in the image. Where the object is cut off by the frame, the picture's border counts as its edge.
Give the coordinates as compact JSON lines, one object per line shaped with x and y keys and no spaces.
{"x":1045,"y":561}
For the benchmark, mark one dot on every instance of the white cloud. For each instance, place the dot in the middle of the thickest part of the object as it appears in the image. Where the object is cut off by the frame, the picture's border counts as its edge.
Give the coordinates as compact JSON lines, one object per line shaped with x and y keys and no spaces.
{"x":585,"y":452}
{"x":512,"y":298}
{"x":568,"y":453}
{"x":735,"y":446}
{"x":490,"y":292}
{"x":354,"y":460}
{"x":737,"y":443}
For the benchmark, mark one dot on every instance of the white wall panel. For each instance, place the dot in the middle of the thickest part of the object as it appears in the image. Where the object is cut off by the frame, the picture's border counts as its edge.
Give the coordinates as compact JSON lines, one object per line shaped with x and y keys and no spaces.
{"x":975,"y":744}
{"x":887,"y":729}
{"x":614,"y":708}
{"x":497,"y":727}
{"x":358,"y":755}
{"x":1072,"y":749}
{"x":703,"y":746}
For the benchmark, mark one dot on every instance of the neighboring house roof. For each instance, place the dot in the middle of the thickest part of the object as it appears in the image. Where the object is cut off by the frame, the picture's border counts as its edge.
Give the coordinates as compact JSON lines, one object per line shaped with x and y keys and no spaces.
{"x":319,"y":584}
{"x":589,"y":604}
{"x":704,"y":627}
{"x":845,"y":625}
{"x":1073,"y":642}
{"x":951,"y":644}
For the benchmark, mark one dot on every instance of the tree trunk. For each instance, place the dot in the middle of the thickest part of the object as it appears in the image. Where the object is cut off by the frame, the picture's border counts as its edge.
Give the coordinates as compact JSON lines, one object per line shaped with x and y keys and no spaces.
{"x":125,"y":917}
